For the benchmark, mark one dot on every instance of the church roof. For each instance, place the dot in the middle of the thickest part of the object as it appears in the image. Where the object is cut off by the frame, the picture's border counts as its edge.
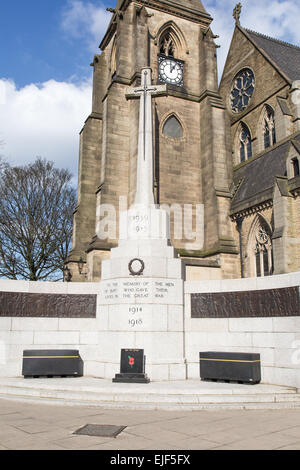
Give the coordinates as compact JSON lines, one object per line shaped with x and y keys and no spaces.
{"x":285,"y":55}
{"x":193,"y":4}
{"x":255,"y":179}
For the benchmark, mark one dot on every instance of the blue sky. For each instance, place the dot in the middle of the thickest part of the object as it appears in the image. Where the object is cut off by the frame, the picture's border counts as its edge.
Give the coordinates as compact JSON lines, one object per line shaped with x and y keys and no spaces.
{"x":32,"y":41}
{"x":37,"y":45}
{"x":45,"y":76}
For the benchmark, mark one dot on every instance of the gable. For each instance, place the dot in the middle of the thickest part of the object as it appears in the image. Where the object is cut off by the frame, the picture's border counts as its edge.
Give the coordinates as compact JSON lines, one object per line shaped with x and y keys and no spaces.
{"x":244,"y":54}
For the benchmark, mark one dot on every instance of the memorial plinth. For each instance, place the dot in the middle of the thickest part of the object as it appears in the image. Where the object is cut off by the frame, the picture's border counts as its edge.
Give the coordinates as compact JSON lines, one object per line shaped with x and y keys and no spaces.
{"x":141,"y":295}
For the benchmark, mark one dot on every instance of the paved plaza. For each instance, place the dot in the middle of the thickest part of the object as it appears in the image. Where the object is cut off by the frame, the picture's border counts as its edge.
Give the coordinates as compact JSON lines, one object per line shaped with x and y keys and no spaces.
{"x":36,"y":426}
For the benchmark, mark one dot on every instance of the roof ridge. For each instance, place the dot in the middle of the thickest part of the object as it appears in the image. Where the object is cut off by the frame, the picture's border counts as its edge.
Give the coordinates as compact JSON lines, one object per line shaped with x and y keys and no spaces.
{"x":273,"y":39}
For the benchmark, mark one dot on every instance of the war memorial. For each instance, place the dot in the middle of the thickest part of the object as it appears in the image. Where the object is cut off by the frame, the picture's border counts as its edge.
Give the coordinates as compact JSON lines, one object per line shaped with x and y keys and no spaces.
{"x":145,"y":308}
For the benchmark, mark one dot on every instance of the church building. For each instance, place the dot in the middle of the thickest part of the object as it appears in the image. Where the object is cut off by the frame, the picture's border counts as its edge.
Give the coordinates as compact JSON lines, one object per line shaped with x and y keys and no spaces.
{"x":226,"y":156}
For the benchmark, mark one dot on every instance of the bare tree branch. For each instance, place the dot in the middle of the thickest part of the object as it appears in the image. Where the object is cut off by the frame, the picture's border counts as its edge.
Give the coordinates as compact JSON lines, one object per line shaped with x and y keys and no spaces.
{"x":36,"y":207}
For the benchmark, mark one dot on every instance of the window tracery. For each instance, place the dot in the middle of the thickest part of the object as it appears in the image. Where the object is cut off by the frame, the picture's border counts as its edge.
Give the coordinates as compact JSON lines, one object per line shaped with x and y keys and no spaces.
{"x":263,"y":253}
{"x":245,"y":143}
{"x":242,"y":90}
{"x":269,"y":131}
{"x":166,"y":45}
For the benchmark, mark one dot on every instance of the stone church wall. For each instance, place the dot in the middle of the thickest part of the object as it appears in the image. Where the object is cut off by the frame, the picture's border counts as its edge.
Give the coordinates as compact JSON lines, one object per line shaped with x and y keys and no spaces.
{"x":293,"y":224}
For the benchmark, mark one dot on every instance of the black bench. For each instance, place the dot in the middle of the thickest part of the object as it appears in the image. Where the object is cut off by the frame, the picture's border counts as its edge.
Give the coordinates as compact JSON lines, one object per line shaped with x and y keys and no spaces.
{"x":230,"y":367}
{"x":52,"y":362}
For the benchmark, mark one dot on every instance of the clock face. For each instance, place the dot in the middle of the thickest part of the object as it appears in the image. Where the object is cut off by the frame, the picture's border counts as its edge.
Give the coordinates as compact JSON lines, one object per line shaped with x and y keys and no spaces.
{"x":171,"y":71}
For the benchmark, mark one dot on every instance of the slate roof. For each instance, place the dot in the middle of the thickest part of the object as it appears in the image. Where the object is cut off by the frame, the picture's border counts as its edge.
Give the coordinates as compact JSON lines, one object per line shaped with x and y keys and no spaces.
{"x":255,"y":179}
{"x":285,"y":55}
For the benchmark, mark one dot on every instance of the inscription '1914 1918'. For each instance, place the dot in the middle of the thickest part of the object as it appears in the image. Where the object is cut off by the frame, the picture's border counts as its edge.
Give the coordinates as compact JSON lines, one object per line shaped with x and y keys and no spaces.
{"x":133,"y":320}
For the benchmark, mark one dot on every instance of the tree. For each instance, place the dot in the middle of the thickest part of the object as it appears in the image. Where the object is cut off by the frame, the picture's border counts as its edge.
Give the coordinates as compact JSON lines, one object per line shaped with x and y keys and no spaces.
{"x":36,"y":210}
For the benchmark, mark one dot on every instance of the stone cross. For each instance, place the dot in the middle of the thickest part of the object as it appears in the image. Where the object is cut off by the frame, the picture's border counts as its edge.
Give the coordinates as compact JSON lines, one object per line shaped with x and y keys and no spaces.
{"x":237,"y":13}
{"x":144,"y":180}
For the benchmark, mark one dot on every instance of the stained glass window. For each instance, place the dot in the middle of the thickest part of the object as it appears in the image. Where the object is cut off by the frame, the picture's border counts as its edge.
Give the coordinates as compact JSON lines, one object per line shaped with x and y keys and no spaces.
{"x":242,"y":90}
{"x":245,"y":143}
{"x":263,"y":253}
{"x":269,"y":127}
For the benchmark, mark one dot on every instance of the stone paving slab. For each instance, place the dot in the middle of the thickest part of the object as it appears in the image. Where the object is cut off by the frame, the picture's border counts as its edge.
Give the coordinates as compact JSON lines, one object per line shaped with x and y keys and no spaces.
{"x":28,"y":426}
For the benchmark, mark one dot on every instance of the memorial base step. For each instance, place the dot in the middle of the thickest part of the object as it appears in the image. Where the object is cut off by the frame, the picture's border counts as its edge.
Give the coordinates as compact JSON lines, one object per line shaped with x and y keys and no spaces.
{"x":185,"y":395}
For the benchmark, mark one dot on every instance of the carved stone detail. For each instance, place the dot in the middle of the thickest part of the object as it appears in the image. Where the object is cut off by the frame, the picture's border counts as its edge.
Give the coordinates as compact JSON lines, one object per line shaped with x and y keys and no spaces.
{"x":257,"y":303}
{"x":237,"y":13}
{"x":21,"y":304}
{"x":252,"y":210}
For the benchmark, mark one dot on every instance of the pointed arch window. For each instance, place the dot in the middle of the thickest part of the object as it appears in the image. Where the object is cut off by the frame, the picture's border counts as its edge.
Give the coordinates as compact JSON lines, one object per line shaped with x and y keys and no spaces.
{"x":269,"y":131}
{"x":295,"y":167}
{"x":245,"y":144}
{"x":172,"y":128}
{"x":170,"y":41}
{"x":261,"y":251}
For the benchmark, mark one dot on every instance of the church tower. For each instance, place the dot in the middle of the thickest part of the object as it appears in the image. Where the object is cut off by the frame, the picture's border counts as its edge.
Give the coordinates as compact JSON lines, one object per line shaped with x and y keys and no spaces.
{"x":192,"y":145}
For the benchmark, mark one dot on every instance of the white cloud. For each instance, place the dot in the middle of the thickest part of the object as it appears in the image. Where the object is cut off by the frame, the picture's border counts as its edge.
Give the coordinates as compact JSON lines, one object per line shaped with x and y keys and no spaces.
{"x":43,"y":120}
{"x":86,"y":20}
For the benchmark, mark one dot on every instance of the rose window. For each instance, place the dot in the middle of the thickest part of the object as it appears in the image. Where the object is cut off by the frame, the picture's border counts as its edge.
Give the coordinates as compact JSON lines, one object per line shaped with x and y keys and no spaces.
{"x":242,"y":90}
